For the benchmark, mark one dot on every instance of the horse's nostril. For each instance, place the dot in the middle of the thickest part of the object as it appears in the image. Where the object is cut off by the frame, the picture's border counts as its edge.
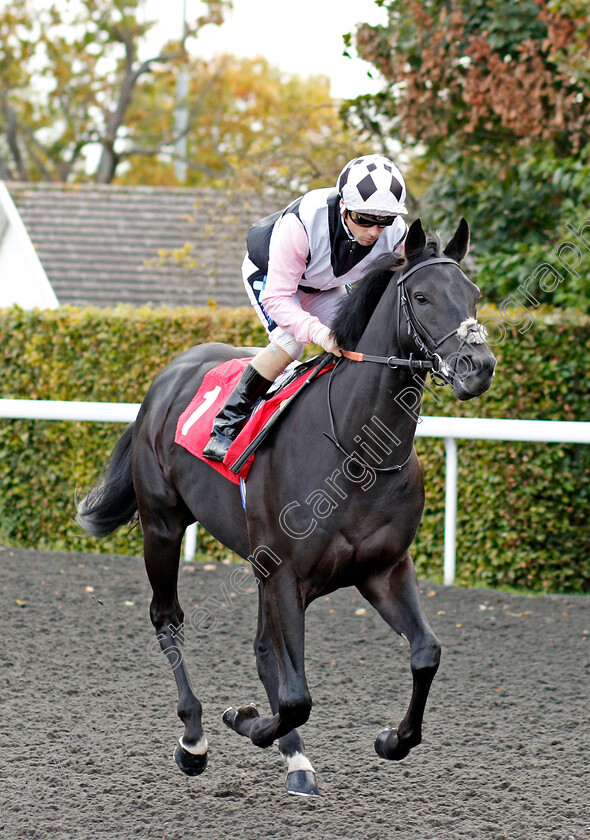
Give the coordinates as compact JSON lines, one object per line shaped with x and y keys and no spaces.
{"x":468,"y":366}
{"x":489,"y":365}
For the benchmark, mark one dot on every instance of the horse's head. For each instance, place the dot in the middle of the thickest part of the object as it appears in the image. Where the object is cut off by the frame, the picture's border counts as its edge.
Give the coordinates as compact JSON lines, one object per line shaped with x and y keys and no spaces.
{"x":439,"y":304}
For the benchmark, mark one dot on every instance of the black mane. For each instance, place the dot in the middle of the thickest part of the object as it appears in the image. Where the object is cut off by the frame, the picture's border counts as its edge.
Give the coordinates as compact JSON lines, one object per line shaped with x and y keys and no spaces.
{"x":356,"y":309}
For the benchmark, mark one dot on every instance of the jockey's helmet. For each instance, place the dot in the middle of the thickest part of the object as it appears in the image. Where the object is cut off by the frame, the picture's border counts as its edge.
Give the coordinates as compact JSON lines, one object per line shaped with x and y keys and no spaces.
{"x":372,"y":184}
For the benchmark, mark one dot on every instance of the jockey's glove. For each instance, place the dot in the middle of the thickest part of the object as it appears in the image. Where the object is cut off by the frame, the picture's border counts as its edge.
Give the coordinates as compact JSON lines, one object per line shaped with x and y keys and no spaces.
{"x":323,"y":336}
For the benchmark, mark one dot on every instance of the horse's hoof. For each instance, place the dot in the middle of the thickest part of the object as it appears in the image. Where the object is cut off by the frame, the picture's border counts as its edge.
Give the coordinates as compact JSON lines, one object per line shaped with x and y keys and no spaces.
{"x":190,"y":763}
{"x":233,"y":717}
{"x":229,"y":717}
{"x":388,"y":746}
{"x":302,"y":783}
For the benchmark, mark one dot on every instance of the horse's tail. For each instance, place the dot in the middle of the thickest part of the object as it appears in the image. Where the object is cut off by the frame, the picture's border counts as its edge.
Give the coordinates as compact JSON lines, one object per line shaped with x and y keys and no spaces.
{"x":111,"y":502}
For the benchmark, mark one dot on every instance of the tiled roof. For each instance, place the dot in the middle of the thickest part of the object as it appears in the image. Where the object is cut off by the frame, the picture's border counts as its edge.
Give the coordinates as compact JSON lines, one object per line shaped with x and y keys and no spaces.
{"x":99,"y":244}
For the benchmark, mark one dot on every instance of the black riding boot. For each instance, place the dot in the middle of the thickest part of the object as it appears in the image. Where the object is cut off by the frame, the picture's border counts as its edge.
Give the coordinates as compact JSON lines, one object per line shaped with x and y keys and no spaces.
{"x":235,"y":412}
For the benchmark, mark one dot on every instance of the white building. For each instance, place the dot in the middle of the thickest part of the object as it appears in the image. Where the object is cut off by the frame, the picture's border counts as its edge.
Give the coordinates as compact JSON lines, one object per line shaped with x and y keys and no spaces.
{"x":23,"y":280}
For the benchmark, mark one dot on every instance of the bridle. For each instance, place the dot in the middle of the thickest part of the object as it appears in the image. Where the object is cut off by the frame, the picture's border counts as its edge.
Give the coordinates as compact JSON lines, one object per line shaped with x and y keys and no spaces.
{"x":422,"y":338}
{"x":469,"y":331}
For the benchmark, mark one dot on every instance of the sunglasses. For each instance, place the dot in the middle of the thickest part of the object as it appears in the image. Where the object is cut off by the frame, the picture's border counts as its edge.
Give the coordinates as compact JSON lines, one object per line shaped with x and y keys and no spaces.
{"x":366,"y":220}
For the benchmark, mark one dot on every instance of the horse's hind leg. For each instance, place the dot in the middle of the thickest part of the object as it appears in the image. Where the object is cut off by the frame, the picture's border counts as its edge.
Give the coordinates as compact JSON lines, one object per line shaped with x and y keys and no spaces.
{"x":396,"y":596}
{"x":301,"y":779}
{"x":162,"y":537}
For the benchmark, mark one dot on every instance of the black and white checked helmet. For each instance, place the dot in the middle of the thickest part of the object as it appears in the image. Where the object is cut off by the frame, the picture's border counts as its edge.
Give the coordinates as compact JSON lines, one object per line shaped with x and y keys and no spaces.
{"x":372,"y":184}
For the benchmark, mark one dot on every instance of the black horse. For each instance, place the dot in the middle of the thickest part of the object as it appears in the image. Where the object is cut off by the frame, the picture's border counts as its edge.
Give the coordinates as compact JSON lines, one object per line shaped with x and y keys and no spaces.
{"x":334,"y":497}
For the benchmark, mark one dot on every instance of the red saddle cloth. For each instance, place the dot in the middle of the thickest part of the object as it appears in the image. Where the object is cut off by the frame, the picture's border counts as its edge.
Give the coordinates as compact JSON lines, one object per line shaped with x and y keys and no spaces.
{"x":194,"y":424}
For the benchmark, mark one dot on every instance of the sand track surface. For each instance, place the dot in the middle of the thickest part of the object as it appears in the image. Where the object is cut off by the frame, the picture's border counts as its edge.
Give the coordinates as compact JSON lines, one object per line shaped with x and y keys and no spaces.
{"x":88,"y":714}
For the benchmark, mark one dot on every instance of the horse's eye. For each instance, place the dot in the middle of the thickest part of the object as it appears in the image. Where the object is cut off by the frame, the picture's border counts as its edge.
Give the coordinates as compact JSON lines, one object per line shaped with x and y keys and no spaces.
{"x":419,"y":298}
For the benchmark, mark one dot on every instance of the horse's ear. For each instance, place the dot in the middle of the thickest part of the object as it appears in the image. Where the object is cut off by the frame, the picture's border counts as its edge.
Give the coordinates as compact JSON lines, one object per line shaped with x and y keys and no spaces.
{"x":415,"y":240}
{"x":459,"y":244}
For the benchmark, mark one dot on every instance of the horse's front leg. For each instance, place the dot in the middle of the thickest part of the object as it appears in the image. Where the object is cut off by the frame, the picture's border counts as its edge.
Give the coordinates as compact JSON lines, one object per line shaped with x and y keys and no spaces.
{"x":283,"y":610}
{"x":396,"y":596}
{"x":301,"y":778}
{"x":162,"y":541}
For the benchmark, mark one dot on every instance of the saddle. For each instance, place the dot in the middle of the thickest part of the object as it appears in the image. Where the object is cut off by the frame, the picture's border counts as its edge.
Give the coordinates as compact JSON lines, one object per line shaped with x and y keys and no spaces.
{"x":194,"y":424}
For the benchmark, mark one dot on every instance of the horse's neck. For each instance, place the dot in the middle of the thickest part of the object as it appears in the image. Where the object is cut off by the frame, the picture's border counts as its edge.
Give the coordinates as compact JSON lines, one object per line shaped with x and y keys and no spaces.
{"x":373,"y":394}
{"x":384,"y":324}
{"x":372,"y":390}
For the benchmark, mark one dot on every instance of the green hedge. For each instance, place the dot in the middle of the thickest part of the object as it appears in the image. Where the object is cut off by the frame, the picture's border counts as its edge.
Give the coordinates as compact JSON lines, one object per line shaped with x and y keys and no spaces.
{"x":107,"y":355}
{"x":523,"y":508}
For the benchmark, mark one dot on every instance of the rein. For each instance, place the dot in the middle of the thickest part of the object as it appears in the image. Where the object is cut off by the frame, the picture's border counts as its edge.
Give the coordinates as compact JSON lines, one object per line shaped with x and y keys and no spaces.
{"x":338,"y":445}
{"x":421,"y":337}
{"x":391,"y":361}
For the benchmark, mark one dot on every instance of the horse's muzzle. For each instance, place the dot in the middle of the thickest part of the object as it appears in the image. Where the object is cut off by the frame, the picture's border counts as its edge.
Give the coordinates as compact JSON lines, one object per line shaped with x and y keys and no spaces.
{"x":473,"y":373}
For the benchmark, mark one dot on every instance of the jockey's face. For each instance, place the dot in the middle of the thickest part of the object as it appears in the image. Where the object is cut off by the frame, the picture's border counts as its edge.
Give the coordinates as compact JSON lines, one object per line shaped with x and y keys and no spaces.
{"x":363,"y":235}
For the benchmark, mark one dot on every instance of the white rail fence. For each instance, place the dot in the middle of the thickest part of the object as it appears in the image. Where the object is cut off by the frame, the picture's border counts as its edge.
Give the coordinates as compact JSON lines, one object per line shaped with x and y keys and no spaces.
{"x":450,"y":429}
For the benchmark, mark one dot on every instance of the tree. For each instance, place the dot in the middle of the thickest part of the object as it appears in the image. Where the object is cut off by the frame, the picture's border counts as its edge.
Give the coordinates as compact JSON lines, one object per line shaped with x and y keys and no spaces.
{"x":249,"y":127}
{"x":78,"y":103}
{"x":68,"y":76}
{"x":493,"y":73}
{"x":493,"y":100}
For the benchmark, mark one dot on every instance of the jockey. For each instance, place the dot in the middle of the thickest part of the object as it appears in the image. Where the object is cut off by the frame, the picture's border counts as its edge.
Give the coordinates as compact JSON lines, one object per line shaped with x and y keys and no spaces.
{"x":298,"y":264}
